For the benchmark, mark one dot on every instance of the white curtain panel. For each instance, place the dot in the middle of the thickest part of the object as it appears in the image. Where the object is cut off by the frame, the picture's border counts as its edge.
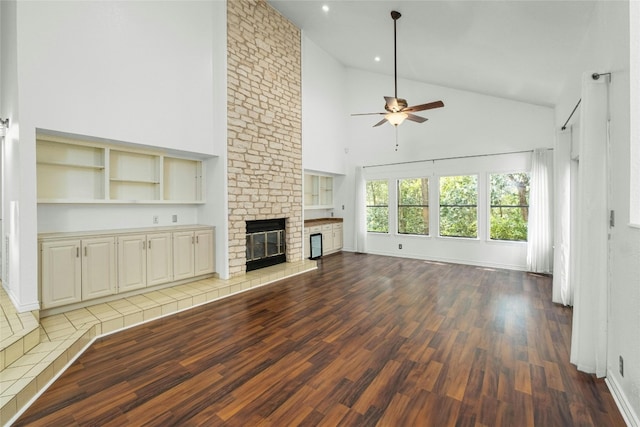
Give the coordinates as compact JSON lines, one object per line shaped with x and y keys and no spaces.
{"x":562,"y":285}
{"x":540,"y":243}
{"x":360,"y":220}
{"x":589,"y":334}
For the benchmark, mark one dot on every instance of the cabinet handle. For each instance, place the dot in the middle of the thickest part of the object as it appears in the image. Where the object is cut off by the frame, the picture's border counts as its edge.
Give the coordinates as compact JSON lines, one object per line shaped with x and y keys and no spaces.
{"x":149,"y":244}
{"x":197,"y":239}
{"x":192,"y":240}
{"x":85,"y":251}
{"x":77,"y":252}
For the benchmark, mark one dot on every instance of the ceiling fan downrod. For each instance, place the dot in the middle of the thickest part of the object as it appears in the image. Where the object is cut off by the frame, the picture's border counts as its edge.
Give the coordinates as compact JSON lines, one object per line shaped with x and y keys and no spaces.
{"x":395,"y":15}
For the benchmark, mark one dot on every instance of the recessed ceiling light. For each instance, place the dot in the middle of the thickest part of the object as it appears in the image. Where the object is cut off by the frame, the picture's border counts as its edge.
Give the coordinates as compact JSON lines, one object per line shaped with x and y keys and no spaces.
{"x":325,"y":8}
{"x":377,"y":59}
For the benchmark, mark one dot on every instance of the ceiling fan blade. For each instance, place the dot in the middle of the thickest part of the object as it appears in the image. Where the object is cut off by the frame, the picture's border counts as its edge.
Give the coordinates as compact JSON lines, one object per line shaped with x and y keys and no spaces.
{"x":422,"y":107}
{"x":367,"y":114}
{"x":381,"y":122}
{"x":415,"y":118}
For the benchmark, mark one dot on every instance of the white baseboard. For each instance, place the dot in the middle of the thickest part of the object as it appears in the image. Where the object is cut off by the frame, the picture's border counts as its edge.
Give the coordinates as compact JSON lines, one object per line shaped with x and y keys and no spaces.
{"x":629,"y":415}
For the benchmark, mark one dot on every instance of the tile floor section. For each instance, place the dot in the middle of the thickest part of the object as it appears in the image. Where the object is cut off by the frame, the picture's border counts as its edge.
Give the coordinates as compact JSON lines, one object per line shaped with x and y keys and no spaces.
{"x":31,"y":355}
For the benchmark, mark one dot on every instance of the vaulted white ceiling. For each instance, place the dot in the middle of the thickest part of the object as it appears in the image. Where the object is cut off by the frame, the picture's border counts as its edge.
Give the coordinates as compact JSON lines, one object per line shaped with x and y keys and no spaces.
{"x":516,"y":49}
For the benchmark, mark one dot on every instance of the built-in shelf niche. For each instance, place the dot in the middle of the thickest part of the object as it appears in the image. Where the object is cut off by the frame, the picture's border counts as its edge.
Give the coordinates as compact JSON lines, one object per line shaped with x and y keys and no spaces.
{"x":318,"y":191}
{"x":133,"y":176}
{"x":71,"y":171}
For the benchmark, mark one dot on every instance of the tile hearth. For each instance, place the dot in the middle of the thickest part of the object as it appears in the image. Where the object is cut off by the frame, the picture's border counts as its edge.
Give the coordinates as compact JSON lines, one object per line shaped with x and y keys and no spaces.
{"x":33,"y":354}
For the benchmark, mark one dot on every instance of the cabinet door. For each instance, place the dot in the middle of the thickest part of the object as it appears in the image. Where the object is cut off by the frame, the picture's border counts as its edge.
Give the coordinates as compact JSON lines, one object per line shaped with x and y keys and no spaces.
{"x":98,"y":267}
{"x":132,"y":271}
{"x":183,"y":254}
{"x":204,"y":252}
{"x":306,"y":243}
{"x":327,"y":238}
{"x":159,"y":259}
{"x":61,"y":273}
{"x":337,"y":237}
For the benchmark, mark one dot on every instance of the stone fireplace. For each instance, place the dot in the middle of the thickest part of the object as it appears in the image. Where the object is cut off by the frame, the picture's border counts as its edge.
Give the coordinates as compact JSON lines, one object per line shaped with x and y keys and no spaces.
{"x":264,"y":126}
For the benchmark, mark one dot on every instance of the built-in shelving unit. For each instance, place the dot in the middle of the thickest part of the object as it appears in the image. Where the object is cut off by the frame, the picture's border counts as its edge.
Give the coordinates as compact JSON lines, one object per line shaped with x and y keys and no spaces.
{"x":318,"y":191}
{"x":71,"y":171}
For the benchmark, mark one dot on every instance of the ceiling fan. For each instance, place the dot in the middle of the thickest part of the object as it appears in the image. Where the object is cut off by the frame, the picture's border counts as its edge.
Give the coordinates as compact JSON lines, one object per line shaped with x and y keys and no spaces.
{"x":397,"y":109}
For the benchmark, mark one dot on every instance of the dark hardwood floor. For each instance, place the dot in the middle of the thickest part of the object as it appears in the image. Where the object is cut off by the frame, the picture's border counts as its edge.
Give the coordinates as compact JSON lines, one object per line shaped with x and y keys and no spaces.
{"x":364,"y":340}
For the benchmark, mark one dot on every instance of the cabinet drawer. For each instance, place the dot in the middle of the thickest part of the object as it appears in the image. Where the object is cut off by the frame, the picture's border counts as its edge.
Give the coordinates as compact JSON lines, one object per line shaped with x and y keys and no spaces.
{"x":316,"y":229}
{"x":327,"y":228}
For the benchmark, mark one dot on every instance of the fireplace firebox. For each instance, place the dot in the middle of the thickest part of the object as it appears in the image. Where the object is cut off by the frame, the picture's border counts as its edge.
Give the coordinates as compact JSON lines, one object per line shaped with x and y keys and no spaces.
{"x":265,"y":243}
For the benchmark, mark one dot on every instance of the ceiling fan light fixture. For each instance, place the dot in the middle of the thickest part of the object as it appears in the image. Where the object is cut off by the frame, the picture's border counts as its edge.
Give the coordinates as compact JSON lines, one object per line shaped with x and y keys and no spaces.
{"x":396,"y":118}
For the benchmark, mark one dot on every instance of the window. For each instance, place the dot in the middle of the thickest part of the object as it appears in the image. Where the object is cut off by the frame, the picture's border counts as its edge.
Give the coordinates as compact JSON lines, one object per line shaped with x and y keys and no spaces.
{"x":378,"y":206}
{"x":509,"y":206}
{"x":413,"y":206}
{"x":459,"y":206}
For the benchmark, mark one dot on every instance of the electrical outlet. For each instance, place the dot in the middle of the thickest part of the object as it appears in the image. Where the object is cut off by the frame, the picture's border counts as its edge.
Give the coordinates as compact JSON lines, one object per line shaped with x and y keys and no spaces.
{"x":174,"y":218}
{"x":621,"y":363}
{"x":156,"y":219}
{"x":399,"y":245}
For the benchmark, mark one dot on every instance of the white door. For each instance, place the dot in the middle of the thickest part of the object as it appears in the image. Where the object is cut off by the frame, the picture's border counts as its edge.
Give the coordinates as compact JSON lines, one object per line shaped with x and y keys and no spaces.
{"x":159,"y":259}
{"x":98,"y":267}
{"x":61,"y":273}
{"x":132,"y":261}
{"x":183,"y":254}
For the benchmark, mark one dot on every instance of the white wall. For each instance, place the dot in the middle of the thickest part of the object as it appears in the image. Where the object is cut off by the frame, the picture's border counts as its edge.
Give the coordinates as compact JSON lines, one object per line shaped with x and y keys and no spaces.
{"x":129,"y":71}
{"x":324,"y":113}
{"x":606,"y":49}
{"x":469,"y":124}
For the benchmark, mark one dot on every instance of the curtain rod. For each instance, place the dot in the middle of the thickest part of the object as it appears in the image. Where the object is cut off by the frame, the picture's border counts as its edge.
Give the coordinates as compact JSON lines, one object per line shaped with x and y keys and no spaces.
{"x":594,"y":76}
{"x":451,"y":158}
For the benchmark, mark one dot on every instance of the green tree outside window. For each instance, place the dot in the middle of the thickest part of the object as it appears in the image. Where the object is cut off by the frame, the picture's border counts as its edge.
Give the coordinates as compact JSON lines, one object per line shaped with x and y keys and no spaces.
{"x":459,"y":206}
{"x":509,"y":206}
{"x":413,"y":206}
{"x":378,"y":206}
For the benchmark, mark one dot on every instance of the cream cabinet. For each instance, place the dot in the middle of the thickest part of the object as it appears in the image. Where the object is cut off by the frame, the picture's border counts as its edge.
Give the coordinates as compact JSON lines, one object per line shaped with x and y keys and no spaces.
{"x":76,"y":267}
{"x":193,"y":253}
{"x":144,"y":260}
{"x":183,"y":254}
{"x":75,"y":270}
{"x":159,"y":258}
{"x":337,"y":237}
{"x":132,"y":261}
{"x":327,"y":238}
{"x":60,"y":273}
{"x":332,"y":240}
{"x":204,"y":252}
{"x":98,"y":267}
{"x":75,"y":171}
{"x":306,"y":243}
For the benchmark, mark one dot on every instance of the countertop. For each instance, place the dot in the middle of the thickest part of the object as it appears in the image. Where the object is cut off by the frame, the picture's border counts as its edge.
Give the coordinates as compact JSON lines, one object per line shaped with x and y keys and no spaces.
{"x":321,"y":221}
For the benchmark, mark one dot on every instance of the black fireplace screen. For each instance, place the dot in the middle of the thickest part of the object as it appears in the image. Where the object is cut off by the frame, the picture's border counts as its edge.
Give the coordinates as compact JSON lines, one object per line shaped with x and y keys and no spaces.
{"x":265,"y":243}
